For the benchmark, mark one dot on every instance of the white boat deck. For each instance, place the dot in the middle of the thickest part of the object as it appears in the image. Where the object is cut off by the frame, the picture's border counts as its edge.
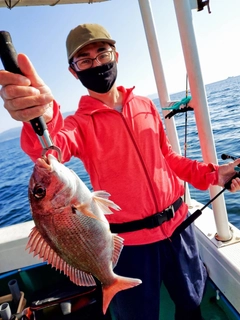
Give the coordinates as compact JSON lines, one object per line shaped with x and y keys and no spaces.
{"x":13,"y":241}
{"x":221,"y":259}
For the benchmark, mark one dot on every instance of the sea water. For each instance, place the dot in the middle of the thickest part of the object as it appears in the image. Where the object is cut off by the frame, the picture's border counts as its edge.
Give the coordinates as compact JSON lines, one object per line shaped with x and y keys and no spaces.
{"x":224,"y":106}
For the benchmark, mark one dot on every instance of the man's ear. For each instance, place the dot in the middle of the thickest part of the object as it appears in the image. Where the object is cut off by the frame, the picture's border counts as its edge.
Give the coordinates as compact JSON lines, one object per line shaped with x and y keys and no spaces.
{"x":73,"y":72}
{"x":117,"y":56}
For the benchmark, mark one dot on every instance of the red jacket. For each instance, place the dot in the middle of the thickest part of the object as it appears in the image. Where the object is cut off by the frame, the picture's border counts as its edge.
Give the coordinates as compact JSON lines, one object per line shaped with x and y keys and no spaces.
{"x":128,"y":155}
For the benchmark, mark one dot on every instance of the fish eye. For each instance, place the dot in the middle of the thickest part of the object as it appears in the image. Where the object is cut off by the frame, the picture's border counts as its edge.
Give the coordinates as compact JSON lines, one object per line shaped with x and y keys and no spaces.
{"x":39,"y":192}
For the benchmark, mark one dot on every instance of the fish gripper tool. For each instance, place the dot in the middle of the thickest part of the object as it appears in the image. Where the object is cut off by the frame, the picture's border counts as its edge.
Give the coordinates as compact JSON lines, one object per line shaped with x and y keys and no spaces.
{"x":8,"y":56}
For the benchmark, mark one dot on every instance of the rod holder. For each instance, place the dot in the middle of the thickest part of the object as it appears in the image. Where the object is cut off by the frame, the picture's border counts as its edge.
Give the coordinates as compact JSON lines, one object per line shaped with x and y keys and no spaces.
{"x":5,"y":311}
{"x":66,"y":307}
{"x":14,"y":289}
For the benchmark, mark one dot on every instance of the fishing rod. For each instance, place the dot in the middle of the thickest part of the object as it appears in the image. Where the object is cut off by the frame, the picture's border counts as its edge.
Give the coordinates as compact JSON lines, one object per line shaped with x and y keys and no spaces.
{"x":198,"y":212}
{"x":226,"y":156}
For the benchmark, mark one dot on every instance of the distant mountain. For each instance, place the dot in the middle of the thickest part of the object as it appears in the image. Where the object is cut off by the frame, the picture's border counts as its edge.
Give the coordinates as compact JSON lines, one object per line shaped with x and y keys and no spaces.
{"x":15,"y":132}
{"x":10,"y":134}
{"x":153,"y":96}
{"x":65,"y":114}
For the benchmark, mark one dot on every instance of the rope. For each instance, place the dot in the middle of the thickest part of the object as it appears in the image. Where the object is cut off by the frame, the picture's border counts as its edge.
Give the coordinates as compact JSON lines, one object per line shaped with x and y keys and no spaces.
{"x":186,"y":98}
{"x":175,"y":107}
{"x":185,"y":138}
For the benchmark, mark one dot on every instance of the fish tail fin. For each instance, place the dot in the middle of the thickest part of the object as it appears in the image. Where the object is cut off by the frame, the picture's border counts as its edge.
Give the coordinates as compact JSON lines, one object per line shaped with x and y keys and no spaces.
{"x":121,"y":283}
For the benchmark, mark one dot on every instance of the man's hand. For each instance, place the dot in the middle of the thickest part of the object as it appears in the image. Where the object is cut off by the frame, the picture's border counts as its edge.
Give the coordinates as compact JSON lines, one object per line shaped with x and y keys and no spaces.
{"x":226,"y":172}
{"x":26,"y":97}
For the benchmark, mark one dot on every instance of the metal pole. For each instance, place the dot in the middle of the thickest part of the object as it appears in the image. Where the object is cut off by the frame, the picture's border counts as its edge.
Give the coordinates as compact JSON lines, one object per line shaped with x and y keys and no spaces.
{"x":164,"y":99}
{"x":199,"y":102}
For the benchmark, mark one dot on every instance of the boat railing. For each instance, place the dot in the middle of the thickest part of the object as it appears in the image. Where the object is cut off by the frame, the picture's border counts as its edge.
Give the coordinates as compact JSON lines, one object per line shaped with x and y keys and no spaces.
{"x":199,"y":101}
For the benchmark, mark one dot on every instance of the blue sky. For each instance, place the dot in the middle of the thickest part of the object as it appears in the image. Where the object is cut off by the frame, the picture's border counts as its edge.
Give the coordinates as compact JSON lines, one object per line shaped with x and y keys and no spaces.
{"x":40,"y":32}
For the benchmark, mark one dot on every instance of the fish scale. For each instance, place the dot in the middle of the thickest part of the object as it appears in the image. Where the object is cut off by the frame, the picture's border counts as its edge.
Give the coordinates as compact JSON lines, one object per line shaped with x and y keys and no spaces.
{"x":81,"y":244}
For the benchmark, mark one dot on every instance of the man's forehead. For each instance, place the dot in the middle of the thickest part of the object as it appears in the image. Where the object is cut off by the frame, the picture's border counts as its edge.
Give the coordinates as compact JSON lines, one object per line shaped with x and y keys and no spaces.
{"x":91,"y":46}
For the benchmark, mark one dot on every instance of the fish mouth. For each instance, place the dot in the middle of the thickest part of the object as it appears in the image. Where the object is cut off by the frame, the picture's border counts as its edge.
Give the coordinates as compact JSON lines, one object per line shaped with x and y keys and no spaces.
{"x":46,"y":162}
{"x":43,"y":165}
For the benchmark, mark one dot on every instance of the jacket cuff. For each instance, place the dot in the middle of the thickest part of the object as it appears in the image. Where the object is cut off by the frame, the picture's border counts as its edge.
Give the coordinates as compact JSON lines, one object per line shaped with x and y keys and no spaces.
{"x":212,"y":176}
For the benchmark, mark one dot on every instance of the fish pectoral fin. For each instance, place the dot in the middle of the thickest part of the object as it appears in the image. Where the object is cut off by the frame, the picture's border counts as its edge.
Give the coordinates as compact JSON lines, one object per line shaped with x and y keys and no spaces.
{"x":84,"y":209}
{"x":101,"y":199}
{"x":117,"y":248}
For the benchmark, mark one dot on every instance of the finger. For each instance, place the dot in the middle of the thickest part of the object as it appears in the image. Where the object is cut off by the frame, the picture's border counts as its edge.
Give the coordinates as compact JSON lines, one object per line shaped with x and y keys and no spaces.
{"x":236,"y":162}
{"x":29,"y":71}
{"x":7,"y":78}
{"x":21,"y":103}
{"x":14,"y":91}
{"x":235,"y":185}
{"x":29,"y":113}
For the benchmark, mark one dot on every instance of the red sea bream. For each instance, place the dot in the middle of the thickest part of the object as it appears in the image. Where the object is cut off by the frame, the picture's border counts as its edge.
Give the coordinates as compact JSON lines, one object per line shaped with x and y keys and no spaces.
{"x":71,"y":232}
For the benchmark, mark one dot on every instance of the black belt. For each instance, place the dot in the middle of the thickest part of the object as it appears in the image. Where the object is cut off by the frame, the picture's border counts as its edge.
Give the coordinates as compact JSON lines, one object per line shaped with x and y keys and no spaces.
{"x":149,"y":222}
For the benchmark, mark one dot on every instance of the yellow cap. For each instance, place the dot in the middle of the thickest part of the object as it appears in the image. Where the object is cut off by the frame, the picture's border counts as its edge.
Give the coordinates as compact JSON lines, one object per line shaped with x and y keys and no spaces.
{"x":85,"y":34}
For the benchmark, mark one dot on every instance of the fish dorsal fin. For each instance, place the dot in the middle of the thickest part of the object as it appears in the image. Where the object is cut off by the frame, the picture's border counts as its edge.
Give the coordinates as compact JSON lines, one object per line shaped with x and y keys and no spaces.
{"x":117,"y":248}
{"x":101,"y":199}
{"x":40,"y":247}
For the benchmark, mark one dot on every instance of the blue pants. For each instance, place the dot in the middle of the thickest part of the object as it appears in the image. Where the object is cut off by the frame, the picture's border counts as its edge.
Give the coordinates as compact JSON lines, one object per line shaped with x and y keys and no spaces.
{"x":176,"y":263}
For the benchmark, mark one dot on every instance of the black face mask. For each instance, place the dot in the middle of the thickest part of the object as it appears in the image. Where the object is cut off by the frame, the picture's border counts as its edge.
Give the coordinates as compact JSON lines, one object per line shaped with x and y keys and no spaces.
{"x":99,"y":79}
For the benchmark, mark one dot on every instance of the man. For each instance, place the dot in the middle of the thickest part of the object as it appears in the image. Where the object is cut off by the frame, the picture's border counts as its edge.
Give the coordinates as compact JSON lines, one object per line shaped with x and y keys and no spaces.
{"x":122,"y":143}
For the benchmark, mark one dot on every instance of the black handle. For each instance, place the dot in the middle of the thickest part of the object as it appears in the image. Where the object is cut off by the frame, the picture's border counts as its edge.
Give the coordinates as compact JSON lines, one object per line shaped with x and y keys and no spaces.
{"x":228,"y":184}
{"x":237,"y":175}
{"x":8,"y":56}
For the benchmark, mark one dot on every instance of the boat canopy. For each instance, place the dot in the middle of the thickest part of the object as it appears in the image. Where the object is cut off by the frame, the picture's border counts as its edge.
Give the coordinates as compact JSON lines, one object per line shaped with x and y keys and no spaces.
{"x":24,"y":3}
